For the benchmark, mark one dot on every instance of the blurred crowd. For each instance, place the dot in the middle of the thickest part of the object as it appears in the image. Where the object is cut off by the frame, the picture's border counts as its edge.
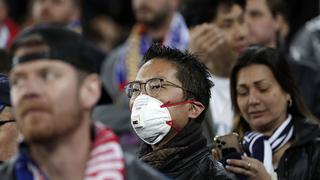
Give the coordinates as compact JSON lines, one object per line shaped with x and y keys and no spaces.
{"x":253,"y":68}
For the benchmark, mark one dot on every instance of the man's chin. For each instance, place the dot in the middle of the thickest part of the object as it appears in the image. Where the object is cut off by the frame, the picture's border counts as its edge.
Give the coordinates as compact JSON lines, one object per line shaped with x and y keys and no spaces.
{"x":145,"y":21}
{"x":38,"y":137}
{"x":150,"y":21}
{"x":36,"y":130}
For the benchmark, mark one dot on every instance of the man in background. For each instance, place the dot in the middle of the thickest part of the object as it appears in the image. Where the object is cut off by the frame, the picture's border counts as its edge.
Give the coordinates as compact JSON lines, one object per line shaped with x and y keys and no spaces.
{"x":63,"y":12}
{"x":268,"y":26}
{"x":218,"y":35}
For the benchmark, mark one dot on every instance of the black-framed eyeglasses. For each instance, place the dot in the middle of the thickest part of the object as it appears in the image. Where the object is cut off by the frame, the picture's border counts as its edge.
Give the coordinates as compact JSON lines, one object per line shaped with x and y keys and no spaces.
{"x":6,"y":121}
{"x":152,"y":87}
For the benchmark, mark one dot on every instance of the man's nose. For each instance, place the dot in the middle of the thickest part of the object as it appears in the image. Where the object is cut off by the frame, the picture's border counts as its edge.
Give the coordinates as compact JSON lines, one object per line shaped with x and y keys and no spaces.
{"x":143,"y":89}
{"x":30,"y":85}
{"x":242,"y":30}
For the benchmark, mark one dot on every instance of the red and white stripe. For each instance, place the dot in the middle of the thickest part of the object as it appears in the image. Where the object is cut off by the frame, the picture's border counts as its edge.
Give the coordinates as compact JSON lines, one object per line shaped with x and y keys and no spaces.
{"x":106,"y":158}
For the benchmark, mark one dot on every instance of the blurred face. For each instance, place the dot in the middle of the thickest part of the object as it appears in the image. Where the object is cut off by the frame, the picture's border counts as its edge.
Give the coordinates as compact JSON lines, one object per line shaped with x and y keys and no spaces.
{"x":153,"y":12}
{"x":261,"y":100}
{"x":235,"y":31}
{"x":3,"y":11}
{"x":160,"y":68}
{"x":262,"y":26}
{"x":45,"y":98}
{"x":8,"y":135}
{"x":109,"y":32}
{"x":54,"y":11}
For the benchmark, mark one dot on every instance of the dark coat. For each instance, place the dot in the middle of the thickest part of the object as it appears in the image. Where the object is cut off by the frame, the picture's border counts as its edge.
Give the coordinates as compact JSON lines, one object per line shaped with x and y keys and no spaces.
{"x":302,"y":159}
{"x":308,"y":81}
{"x":186,"y":157}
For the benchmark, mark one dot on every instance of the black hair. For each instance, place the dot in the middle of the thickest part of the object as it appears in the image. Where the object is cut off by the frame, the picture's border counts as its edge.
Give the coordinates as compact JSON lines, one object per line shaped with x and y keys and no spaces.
{"x":279,"y":66}
{"x":4,"y":1}
{"x":278,"y":7}
{"x":193,"y":74}
{"x":198,"y":12}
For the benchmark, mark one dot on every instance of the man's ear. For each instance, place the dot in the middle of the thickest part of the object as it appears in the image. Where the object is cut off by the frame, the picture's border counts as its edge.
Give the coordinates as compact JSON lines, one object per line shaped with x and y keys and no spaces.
{"x":90,"y":91}
{"x":282,"y":26}
{"x":196,"y":109}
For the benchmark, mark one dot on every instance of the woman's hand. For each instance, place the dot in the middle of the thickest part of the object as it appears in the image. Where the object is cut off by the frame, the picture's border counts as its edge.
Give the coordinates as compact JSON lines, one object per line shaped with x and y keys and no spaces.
{"x":250,"y":167}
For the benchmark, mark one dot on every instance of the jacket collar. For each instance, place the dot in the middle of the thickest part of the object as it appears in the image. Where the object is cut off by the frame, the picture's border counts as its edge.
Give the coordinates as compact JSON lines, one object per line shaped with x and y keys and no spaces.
{"x":305,"y":131}
{"x":186,"y":146}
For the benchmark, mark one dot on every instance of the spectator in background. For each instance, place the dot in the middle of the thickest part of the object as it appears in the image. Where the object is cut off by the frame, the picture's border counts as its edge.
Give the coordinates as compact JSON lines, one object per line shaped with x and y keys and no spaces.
{"x":105,"y":32}
{"x":54,"y":87}
{"x":305,"y":45}
{"x":8,"y":29}
{"x":267,"y":23}
{"x":168,"y":100}
{"x":8,"y":129}
{"x":107,"y":23}
{"x":219,"y":36}
{"x":283,"y":16}
{"x":157,"y":21}
{"x":64,"y":12}
{"x":279,"y":134}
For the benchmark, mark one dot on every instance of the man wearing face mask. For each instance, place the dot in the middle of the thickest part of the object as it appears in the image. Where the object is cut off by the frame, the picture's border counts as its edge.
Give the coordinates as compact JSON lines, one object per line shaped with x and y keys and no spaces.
{"x":168,"y":100}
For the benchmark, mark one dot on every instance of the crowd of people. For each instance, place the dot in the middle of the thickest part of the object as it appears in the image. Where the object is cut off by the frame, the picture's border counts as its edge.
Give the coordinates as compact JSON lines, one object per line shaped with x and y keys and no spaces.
{"x":135,"y":89}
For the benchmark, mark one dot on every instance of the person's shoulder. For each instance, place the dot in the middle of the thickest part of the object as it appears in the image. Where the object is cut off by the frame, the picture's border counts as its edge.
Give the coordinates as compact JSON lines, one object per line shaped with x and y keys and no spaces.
{"x":136,"y":169}
{"x":313,"y":25}
{"x":7,"y":170}
{"x":303,"y":67}
{"x":118,"y":51}
{"x":306,"y":131}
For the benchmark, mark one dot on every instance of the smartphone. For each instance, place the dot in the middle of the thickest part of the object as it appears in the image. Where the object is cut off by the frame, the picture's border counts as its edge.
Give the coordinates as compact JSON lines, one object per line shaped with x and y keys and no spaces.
{"x":228,"y":144}
{"x":229,"y":147}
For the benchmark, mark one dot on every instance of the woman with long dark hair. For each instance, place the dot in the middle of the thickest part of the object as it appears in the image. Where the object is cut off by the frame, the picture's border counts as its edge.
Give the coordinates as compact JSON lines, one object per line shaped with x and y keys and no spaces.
{"x":280,"y":136}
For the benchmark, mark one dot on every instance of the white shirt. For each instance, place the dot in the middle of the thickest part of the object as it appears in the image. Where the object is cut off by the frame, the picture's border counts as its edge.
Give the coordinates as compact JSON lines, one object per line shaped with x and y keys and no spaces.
{"x":4,"y":35}
{"x":221,"y":106}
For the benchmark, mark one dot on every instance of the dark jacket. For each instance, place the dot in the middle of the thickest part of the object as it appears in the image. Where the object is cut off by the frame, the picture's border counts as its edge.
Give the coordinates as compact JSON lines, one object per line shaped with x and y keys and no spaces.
{"x":185,"y":157}
{"x":134,"y":169}
{"x":308,"y":81}
{"x":302,"y":159}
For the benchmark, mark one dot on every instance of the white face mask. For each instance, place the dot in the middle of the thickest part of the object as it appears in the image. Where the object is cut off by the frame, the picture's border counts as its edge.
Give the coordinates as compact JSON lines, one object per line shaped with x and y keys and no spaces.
{"x":149,"y":120}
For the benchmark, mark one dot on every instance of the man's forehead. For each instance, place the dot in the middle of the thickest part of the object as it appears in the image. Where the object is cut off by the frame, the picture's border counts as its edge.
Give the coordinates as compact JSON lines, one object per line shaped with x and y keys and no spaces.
{"x":229,"y":12}
{"x":40,"y":64}
{"x":157,"y":68}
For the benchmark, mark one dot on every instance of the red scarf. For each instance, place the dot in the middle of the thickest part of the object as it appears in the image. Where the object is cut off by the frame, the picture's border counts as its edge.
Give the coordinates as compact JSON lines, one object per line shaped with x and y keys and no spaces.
{"x":106,"y":159}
